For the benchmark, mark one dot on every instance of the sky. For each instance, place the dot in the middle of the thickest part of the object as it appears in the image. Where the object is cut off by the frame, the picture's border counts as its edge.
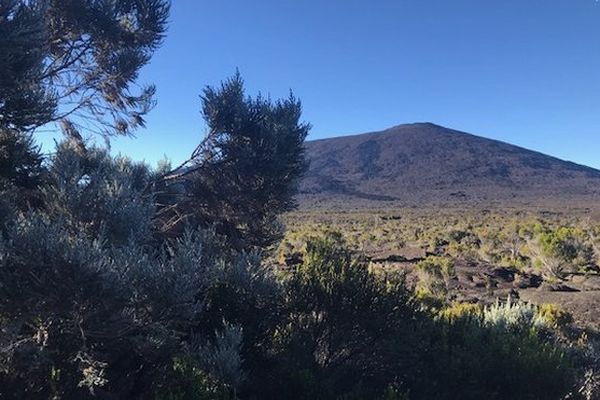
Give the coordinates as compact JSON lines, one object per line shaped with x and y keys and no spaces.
{"x":524,"y":72}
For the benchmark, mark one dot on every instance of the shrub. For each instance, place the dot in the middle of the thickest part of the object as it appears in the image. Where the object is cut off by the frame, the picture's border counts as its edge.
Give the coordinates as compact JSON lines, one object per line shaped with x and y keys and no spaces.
{"x":187,"y":381}
{"x":21,"y":172}
{"x":434,"y":274}
{"x":347,"y":334}
{"x":512,"y":316}
{"x":561,"y":250}
{"x":90,"y":299}
{"x":458,"y":311}
{"x":554,"y":316}
{"x":492,"y":354}
{"x":245,"y":172}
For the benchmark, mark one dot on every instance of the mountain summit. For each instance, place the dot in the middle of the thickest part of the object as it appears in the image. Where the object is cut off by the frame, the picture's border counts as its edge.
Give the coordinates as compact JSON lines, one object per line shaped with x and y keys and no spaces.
{"x":424,"y":163}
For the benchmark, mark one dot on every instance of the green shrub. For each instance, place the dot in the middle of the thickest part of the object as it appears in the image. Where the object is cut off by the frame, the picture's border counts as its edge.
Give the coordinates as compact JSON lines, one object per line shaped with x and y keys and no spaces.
{"x":345,"y":329}
{"x":496,"y":350}
{"x":562,"y":250}
{"x":434,"y":274}
{"x":554,"y":316}
{"x":90,"y":298}
{"x":458,"y":311}
{"x":187,"y":381}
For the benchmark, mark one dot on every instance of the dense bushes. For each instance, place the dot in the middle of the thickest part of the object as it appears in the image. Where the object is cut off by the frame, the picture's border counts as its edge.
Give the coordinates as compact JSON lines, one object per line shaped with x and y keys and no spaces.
{"x":562,"y":250}
{"x":355,"y":335}
{"x":472,"y":357}
{"x":553,"y":246}
{"x":95,"y":306}
{"x":347,"y":333}
{"x":243,"y":175}
{"x":88,"y":305}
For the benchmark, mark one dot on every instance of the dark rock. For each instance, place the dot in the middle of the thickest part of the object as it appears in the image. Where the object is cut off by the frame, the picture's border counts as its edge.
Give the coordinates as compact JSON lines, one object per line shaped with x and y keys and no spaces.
{"x":503,"y":274}
{"x":292,"y":259}
{"x":388,"y":258}
{"x":523,"y":281}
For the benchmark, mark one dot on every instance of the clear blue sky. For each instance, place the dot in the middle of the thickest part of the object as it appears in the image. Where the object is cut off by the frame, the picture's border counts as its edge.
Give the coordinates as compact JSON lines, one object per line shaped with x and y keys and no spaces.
{"x":522,"y":71}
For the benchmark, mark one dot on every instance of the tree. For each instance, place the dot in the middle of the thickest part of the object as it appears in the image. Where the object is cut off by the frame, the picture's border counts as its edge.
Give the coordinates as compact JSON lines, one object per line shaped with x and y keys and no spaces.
{"x":96,"y":50}
{"x":21,"y":173}
{"x":25,"y":101}
{"x":244,"y":173}
{"x":75,"y":62}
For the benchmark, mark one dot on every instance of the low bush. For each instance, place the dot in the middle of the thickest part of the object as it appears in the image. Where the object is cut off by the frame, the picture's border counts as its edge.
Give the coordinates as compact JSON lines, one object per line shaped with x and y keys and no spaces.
{"x":434,"y":274}
{"x":496,"y":352}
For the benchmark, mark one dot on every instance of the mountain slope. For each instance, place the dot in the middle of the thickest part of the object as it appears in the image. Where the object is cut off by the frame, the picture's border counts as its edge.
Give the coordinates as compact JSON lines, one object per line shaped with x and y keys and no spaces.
{"x":424,"y":163}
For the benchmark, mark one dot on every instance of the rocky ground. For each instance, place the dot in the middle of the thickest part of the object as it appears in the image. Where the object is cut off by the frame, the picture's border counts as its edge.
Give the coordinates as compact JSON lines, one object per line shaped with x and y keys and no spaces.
{"x":478,"y":282}
{"x":398,"y":239}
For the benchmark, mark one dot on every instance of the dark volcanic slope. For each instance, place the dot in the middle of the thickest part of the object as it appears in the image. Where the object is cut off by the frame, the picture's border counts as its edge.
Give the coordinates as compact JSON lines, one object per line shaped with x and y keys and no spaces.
{"x":429,"y":164}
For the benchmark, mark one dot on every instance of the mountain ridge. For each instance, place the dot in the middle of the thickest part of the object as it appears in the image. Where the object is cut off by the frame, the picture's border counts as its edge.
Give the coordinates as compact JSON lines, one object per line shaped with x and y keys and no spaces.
{"x":425,"y":163}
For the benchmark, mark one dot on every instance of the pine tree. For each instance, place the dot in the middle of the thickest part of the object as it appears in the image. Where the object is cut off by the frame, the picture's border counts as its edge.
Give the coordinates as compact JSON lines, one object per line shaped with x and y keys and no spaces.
{"x":245,"y":172}
{"x":74,"y":62}
{"x":25,"y":101}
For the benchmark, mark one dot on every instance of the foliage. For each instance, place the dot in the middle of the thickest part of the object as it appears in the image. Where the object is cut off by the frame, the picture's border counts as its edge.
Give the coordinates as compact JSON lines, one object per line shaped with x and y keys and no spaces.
{"x":21,"y":173}
{"x":458,"y":311}
{"x":25,"y":101}
{"x":95,"y":52}
{"x":244,"y":173}
{"x":187,"y":381}
{"x":471,"y":358}
{"x":346,"y":333}
{"x":502,"y":238}
{"x":120,"y":282}
{"x":554,"y":316}
{"x":434,"y":277}
{"x":504,"y":246}
{"x":108,"y":312}
{"x":75,"y":62}
{"x":588,"y":385}
{"x":561,"y":250}
{"x":20,"y":161}
{"x":513,"y":316}
{"x":212,"y":371}
{"x":89,"y":298}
